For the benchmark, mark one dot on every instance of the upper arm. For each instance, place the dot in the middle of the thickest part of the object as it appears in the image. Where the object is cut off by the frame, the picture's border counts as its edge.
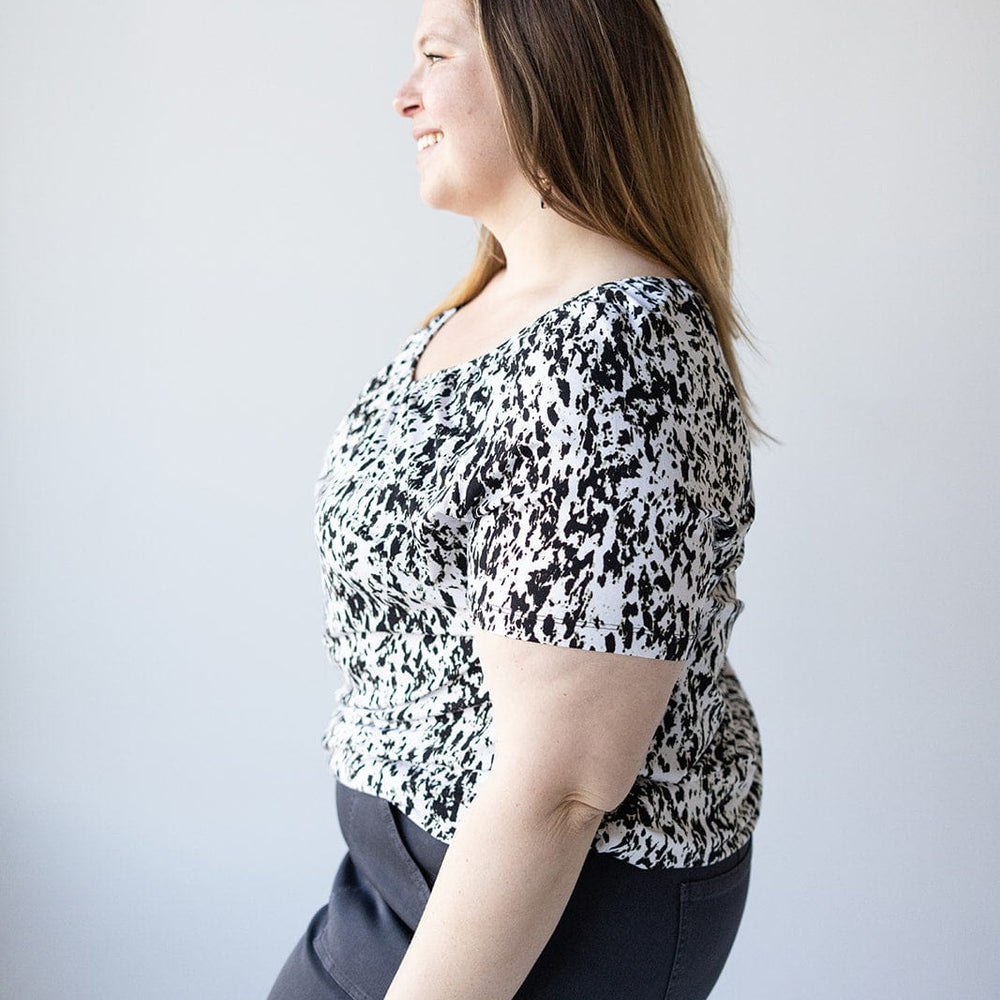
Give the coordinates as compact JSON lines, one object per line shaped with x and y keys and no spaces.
{"x":572,"y":725}
{"x":590,"y":560}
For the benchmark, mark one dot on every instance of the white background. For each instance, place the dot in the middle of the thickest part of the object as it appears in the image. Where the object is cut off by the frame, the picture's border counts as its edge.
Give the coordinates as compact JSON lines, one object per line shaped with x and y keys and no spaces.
{"x":212,"y":235}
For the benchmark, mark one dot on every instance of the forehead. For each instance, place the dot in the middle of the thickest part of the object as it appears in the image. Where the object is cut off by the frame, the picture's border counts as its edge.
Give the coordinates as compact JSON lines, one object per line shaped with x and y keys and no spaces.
{"x":446,"y":19}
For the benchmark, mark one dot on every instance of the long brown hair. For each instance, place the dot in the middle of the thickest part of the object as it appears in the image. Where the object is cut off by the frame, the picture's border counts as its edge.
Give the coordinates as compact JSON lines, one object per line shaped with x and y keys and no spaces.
{"x":594,"y":98}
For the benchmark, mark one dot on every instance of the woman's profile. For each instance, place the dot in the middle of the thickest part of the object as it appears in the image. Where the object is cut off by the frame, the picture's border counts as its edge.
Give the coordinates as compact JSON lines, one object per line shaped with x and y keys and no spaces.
{"x":529,"y":522}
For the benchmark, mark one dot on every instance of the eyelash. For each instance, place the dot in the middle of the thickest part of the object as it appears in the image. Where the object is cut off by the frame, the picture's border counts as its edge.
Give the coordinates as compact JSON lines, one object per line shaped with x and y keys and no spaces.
{"x":431,"y":55}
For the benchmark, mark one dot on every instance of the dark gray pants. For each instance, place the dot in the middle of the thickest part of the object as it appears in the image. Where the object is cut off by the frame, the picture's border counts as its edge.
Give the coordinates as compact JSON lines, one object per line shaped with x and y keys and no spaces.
{"x":626,"y":934}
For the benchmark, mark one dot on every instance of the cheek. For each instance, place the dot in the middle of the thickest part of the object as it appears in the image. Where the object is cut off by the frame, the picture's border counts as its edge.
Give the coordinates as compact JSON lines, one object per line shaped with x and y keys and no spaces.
{"x":468,"y":110}
{"x":471,"y":101}
{"x":473,"y":130}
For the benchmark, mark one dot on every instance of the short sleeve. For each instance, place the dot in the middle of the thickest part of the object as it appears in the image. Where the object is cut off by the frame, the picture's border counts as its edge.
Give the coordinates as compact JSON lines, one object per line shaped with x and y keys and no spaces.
{"x":596,"y":534}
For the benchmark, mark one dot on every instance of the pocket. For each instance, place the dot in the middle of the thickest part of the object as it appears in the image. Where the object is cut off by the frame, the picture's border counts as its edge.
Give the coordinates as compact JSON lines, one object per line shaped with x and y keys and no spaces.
{"x":710,"y":913}
{"x":376,"y":900}
{"x":374,"y":843}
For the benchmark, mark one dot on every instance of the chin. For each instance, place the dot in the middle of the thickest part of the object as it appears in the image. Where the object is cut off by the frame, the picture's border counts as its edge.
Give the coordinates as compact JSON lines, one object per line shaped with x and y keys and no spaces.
{"x":446,"y":201}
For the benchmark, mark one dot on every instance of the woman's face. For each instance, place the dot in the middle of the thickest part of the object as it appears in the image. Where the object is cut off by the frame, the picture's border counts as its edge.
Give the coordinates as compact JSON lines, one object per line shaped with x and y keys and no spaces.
{"x":472,"y":169}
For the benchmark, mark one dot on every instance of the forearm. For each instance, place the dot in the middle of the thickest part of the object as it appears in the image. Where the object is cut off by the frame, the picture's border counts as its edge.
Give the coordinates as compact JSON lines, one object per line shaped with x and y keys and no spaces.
{"x":502,"y":887}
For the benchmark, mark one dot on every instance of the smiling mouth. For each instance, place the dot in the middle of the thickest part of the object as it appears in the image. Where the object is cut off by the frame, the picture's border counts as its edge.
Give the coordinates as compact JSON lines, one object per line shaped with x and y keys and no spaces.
{"x":429,"y":140}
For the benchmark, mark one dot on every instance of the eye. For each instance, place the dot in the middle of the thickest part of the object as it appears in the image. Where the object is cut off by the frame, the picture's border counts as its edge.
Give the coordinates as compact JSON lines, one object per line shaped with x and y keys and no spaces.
{"x":432,"y":56}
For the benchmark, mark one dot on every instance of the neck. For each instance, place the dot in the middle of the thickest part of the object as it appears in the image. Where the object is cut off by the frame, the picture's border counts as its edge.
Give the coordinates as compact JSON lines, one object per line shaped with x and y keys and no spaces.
{"x":546,"y":252}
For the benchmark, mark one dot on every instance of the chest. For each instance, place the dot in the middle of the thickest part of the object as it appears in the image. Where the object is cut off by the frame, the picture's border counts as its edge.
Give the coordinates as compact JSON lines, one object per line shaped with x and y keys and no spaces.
{"x":401,"y":480}
{"x":476,"y":329}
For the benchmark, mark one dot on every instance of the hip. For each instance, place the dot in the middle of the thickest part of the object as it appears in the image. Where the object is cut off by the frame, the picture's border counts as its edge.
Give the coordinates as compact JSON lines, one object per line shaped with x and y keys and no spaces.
{"x":649,"y":934}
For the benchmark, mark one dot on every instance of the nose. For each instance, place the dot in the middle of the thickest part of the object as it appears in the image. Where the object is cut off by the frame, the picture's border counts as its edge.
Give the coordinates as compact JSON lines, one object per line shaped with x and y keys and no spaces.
{"x":406,"y":101}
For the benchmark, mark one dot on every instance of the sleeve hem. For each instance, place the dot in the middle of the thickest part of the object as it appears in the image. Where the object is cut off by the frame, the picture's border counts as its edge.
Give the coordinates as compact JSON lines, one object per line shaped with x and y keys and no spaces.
{"x":560,"y":629}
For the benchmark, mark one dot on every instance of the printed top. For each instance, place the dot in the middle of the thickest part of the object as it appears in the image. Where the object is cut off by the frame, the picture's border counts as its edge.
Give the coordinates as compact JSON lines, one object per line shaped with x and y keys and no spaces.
{"x":584,"y":484}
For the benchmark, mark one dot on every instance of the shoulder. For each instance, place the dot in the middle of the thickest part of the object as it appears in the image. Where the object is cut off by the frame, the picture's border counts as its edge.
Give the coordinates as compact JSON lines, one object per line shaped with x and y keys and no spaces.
{"x":622,"y":342}
{"x":629,"y":373}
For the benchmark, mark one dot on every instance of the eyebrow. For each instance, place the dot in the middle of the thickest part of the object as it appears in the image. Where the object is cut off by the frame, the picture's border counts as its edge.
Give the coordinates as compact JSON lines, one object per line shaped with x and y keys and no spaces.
{"x":434,"y":32}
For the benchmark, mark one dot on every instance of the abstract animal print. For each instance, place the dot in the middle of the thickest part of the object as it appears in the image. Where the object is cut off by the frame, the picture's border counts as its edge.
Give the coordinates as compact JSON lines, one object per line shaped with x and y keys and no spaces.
{"x":585,"y":484}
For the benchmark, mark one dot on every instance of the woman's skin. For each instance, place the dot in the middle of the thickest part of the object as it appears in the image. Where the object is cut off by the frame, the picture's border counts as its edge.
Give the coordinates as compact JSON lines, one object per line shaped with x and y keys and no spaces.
{"x":570,"y":727}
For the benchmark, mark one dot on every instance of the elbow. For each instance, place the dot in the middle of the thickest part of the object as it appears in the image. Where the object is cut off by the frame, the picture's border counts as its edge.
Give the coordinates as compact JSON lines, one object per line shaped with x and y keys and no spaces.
{"x":576,"y":815}
{"x":561,"y":807}
{"x":574,"y":800}
{"x":589,"y":806}
{"x":601,"y":792}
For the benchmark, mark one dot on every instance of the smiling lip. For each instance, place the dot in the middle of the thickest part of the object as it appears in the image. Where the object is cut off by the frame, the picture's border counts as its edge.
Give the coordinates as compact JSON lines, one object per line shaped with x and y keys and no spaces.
{"x":422,"y":145}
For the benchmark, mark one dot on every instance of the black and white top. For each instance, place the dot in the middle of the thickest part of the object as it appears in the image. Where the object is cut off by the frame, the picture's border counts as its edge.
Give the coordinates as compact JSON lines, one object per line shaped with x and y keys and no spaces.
{"x":585,"y":484}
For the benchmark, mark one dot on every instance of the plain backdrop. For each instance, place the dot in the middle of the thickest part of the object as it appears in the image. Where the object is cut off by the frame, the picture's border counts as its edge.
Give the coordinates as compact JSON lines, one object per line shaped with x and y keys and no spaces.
{"x":211,"y":236}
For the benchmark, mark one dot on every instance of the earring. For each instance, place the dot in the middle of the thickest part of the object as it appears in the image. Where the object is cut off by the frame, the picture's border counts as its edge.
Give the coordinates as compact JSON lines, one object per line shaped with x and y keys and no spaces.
{"x":546,"y":183}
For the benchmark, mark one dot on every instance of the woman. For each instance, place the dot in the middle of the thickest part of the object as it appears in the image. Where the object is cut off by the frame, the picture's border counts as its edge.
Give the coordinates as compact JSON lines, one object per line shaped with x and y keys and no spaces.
{"x":529,"y":522}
